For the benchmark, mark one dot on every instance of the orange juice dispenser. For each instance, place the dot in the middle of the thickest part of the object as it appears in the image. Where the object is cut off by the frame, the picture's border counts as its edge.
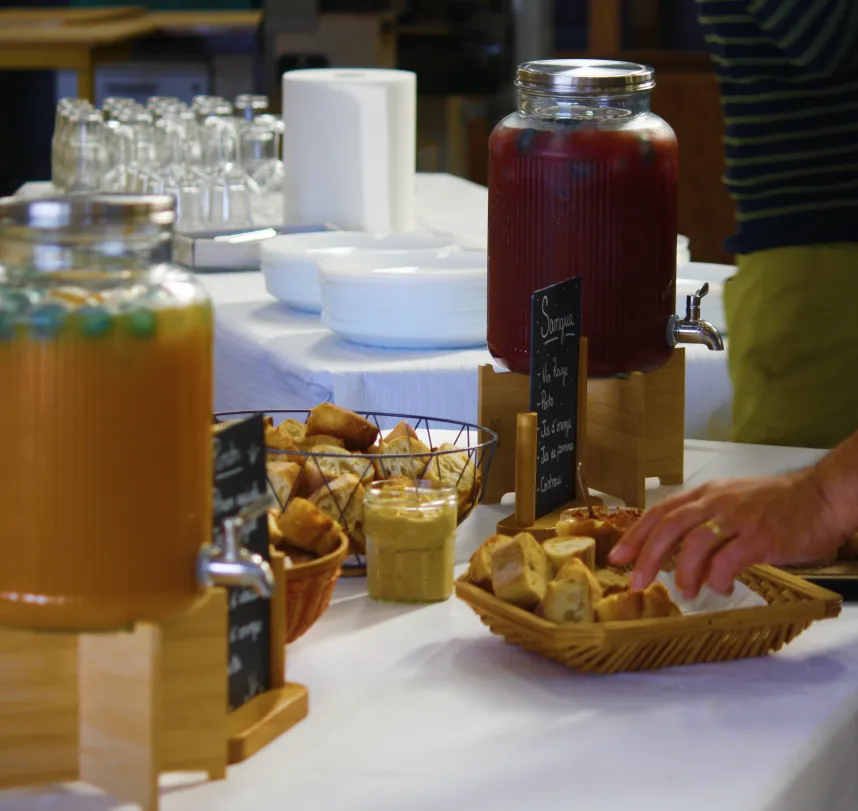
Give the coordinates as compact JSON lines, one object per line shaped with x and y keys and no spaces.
{"x":105,"y":420}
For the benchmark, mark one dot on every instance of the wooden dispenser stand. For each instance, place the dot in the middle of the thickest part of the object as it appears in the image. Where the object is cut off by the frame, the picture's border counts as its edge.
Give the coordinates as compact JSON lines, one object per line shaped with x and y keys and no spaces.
{"x":629,"y":430}
{"x":116,"y":710}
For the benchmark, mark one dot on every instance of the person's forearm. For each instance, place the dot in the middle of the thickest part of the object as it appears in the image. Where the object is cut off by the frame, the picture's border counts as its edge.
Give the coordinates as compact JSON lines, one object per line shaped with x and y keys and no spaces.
{"x":820,"y":35}
{"x":837,"y":476}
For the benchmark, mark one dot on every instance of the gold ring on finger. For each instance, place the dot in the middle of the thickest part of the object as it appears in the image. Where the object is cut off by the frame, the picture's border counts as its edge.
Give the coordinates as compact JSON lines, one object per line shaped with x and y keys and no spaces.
{"x":713,"y":526}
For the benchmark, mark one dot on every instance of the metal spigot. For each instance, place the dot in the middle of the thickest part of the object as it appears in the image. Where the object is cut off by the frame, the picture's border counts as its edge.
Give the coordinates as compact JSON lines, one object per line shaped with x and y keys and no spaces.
{"x":230,"y":563}
{"x":693,"y":329}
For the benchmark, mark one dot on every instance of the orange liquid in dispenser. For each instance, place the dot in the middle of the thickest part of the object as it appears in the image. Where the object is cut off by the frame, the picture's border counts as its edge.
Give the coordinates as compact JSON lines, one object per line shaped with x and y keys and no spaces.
{"x":106,"y":482}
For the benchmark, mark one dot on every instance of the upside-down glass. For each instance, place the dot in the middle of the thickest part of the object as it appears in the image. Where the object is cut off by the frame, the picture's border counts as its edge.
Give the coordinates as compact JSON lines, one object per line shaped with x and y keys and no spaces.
{"x":191,"y":153}
{"x":85,"y":157}
{"x":247,"y":106}
{"x":106,"y":482}
{"x":65,"y":108}
{"x":258,"y":150}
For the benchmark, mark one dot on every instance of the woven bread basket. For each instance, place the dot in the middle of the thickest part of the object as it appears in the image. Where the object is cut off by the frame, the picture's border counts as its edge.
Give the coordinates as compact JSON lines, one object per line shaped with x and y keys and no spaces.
{"x":648,"y":644}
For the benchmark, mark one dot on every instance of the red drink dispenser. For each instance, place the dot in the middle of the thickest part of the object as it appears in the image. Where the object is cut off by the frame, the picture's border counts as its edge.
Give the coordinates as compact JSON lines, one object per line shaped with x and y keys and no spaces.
{"x":583,"y":181}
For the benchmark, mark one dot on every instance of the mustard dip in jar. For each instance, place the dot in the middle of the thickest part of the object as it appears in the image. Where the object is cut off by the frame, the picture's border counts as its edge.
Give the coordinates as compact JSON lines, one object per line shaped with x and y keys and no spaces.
{"x":410,"y":530}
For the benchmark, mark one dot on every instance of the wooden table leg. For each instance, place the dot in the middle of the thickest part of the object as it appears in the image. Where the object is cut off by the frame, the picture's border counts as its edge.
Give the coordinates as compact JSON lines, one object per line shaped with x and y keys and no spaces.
{"x":86,"y":79}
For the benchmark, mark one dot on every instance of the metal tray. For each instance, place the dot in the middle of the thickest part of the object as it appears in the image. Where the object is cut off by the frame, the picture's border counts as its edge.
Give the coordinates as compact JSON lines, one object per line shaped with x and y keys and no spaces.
{"x":229,"y":250}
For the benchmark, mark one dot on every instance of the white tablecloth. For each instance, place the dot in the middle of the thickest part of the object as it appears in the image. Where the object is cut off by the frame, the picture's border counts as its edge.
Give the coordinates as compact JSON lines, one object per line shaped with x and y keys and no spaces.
{"x":422,"y":709}
{"x":268,"y":356}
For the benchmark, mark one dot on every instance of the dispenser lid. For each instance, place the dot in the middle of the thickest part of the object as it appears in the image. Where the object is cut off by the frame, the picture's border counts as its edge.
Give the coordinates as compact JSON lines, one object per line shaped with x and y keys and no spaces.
{"x":584,"y":76}
{"x":86,"y":211}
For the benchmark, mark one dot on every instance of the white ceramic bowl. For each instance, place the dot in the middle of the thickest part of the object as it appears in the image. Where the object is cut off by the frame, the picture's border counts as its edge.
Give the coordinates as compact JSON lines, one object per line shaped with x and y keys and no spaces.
{"x":410,"y":301}
{"x":290,"y":263}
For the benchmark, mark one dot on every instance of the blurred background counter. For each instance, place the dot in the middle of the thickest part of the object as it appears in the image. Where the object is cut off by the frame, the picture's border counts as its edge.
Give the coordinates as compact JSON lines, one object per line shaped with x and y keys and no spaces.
{"x":463,"y":51}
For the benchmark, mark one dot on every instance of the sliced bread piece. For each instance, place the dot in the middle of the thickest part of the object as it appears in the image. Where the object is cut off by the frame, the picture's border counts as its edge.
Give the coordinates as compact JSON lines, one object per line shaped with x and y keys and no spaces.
{"x":572,"y":595}
{"x":561,"y":550}
{"x":520,"y":571}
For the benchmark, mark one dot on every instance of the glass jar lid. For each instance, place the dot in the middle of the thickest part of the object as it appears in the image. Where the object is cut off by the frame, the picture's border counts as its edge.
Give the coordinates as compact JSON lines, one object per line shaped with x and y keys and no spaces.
{"x":584,"y":77}
{"x":87,"y":211}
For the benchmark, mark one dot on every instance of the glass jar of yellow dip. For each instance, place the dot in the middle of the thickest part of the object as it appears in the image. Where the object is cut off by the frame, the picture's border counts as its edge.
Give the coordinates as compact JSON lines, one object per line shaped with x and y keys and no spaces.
{"x":410,"y":533}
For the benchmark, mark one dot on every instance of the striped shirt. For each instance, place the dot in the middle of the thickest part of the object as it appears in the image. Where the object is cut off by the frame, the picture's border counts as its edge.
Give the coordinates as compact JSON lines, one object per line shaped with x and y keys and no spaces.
{"x":788,"y":72}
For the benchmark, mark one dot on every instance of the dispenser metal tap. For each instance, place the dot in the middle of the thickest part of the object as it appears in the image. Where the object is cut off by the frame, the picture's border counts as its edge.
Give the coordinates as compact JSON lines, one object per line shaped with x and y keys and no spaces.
{"x":230,"y":563}
{"x":693,"y":329}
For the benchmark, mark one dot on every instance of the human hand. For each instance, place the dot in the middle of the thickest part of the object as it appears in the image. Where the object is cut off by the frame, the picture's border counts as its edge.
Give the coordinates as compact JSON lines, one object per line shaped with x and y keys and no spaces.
{"x":723,"y":527}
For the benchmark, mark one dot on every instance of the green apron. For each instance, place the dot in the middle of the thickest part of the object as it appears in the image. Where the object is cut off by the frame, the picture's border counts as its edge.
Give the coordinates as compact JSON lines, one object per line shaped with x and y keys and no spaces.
{"x":792,"y":326}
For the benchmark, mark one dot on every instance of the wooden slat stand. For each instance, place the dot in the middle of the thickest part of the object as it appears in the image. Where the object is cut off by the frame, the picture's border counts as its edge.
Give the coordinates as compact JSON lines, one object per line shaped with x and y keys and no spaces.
{"x":636,"y":431}
{"x":503,"y":396}
{"x":524,"y":518}
{"x":116,"y":710}
{"x":504,"y":406}
{"x":269,"y":715}
{"x":629,"y":429}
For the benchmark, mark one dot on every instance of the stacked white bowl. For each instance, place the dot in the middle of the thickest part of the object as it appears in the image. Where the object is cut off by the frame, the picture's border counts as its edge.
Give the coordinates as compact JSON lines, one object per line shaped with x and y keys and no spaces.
{"x":290,"y":263}
{"x":407,"y":301}
{"x":405,"y":291}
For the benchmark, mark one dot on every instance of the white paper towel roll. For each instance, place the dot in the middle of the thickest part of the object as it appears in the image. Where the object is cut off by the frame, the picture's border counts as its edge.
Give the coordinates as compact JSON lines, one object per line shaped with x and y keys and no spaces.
{"x":349,"y":148}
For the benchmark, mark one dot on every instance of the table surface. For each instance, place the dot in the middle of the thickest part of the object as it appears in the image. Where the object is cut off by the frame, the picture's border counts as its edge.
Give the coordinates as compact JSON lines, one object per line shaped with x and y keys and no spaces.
{"x":268,"y":355}
{"x":92,"y":34}
{"x":96,"y":27}
{"x":23,"y":27}
{"x":421,"y":708}
{"x":66,"y":16}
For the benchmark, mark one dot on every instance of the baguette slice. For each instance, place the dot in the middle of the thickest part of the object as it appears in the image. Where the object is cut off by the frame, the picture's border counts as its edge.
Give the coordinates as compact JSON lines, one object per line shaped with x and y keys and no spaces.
{"x":612,"y":581}
{"x":283,"y":476}
{"x":651,"y":603}
{"x":657,"y":602}
{"x":604,"y":533}
{"x":480,"y":569}
{"x":305,"y":526}
{"x":342,"y":500}
{"x":403,"y":429}
{"x":572,"y":595}
{"x":356,"y":432}
{"x":314,"y":441}
{"x":402,"y":457}
{"x":622,"y":607}
{"x":293,"y":428}
{"x":520,"y":571}
{"x":561,"y":550}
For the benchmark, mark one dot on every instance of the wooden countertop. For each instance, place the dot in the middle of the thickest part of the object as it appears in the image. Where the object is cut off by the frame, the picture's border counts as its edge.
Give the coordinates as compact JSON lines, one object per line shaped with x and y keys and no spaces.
{"x":204,"y":22}
{"x":41,"y":33}
{"x":19,"y":16}
{"x":82,"y":27}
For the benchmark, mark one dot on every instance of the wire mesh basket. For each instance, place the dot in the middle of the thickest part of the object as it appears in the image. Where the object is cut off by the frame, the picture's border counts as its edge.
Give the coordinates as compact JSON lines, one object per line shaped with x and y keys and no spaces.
{"x":459,"y":454}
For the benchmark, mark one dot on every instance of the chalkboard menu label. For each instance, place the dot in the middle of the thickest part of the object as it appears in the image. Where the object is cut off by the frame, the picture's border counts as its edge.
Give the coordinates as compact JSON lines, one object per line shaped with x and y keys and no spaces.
{"x":554,"y":346}
{"x":240,"y":480}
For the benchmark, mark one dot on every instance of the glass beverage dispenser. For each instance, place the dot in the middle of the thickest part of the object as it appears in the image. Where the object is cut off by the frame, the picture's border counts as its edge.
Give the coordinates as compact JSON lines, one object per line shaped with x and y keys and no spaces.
{"x":105,"y":419}
{"x":583,"y":181}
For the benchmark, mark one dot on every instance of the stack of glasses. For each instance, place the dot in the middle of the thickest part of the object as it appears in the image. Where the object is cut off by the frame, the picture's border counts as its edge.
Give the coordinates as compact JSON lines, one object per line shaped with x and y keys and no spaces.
{"x":220,"y":160}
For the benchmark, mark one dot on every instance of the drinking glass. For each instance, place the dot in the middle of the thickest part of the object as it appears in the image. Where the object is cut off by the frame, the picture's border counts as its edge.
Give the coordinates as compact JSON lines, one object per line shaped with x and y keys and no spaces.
{"x":65,"y":108}
{"x":230,"y":200}
{"x":248,"y":106}
{"x":258,"y":150}
{"x":85,"y":153}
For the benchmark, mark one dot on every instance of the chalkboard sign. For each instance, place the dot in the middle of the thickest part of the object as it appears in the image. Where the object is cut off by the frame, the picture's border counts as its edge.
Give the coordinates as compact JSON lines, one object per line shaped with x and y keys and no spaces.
{"x":240,"y":480}
{"x":555,"y":338}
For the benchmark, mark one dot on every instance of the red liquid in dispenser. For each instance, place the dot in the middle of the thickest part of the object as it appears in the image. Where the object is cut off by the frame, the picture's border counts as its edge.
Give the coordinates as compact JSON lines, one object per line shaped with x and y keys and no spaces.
{"x":595,"y":198}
